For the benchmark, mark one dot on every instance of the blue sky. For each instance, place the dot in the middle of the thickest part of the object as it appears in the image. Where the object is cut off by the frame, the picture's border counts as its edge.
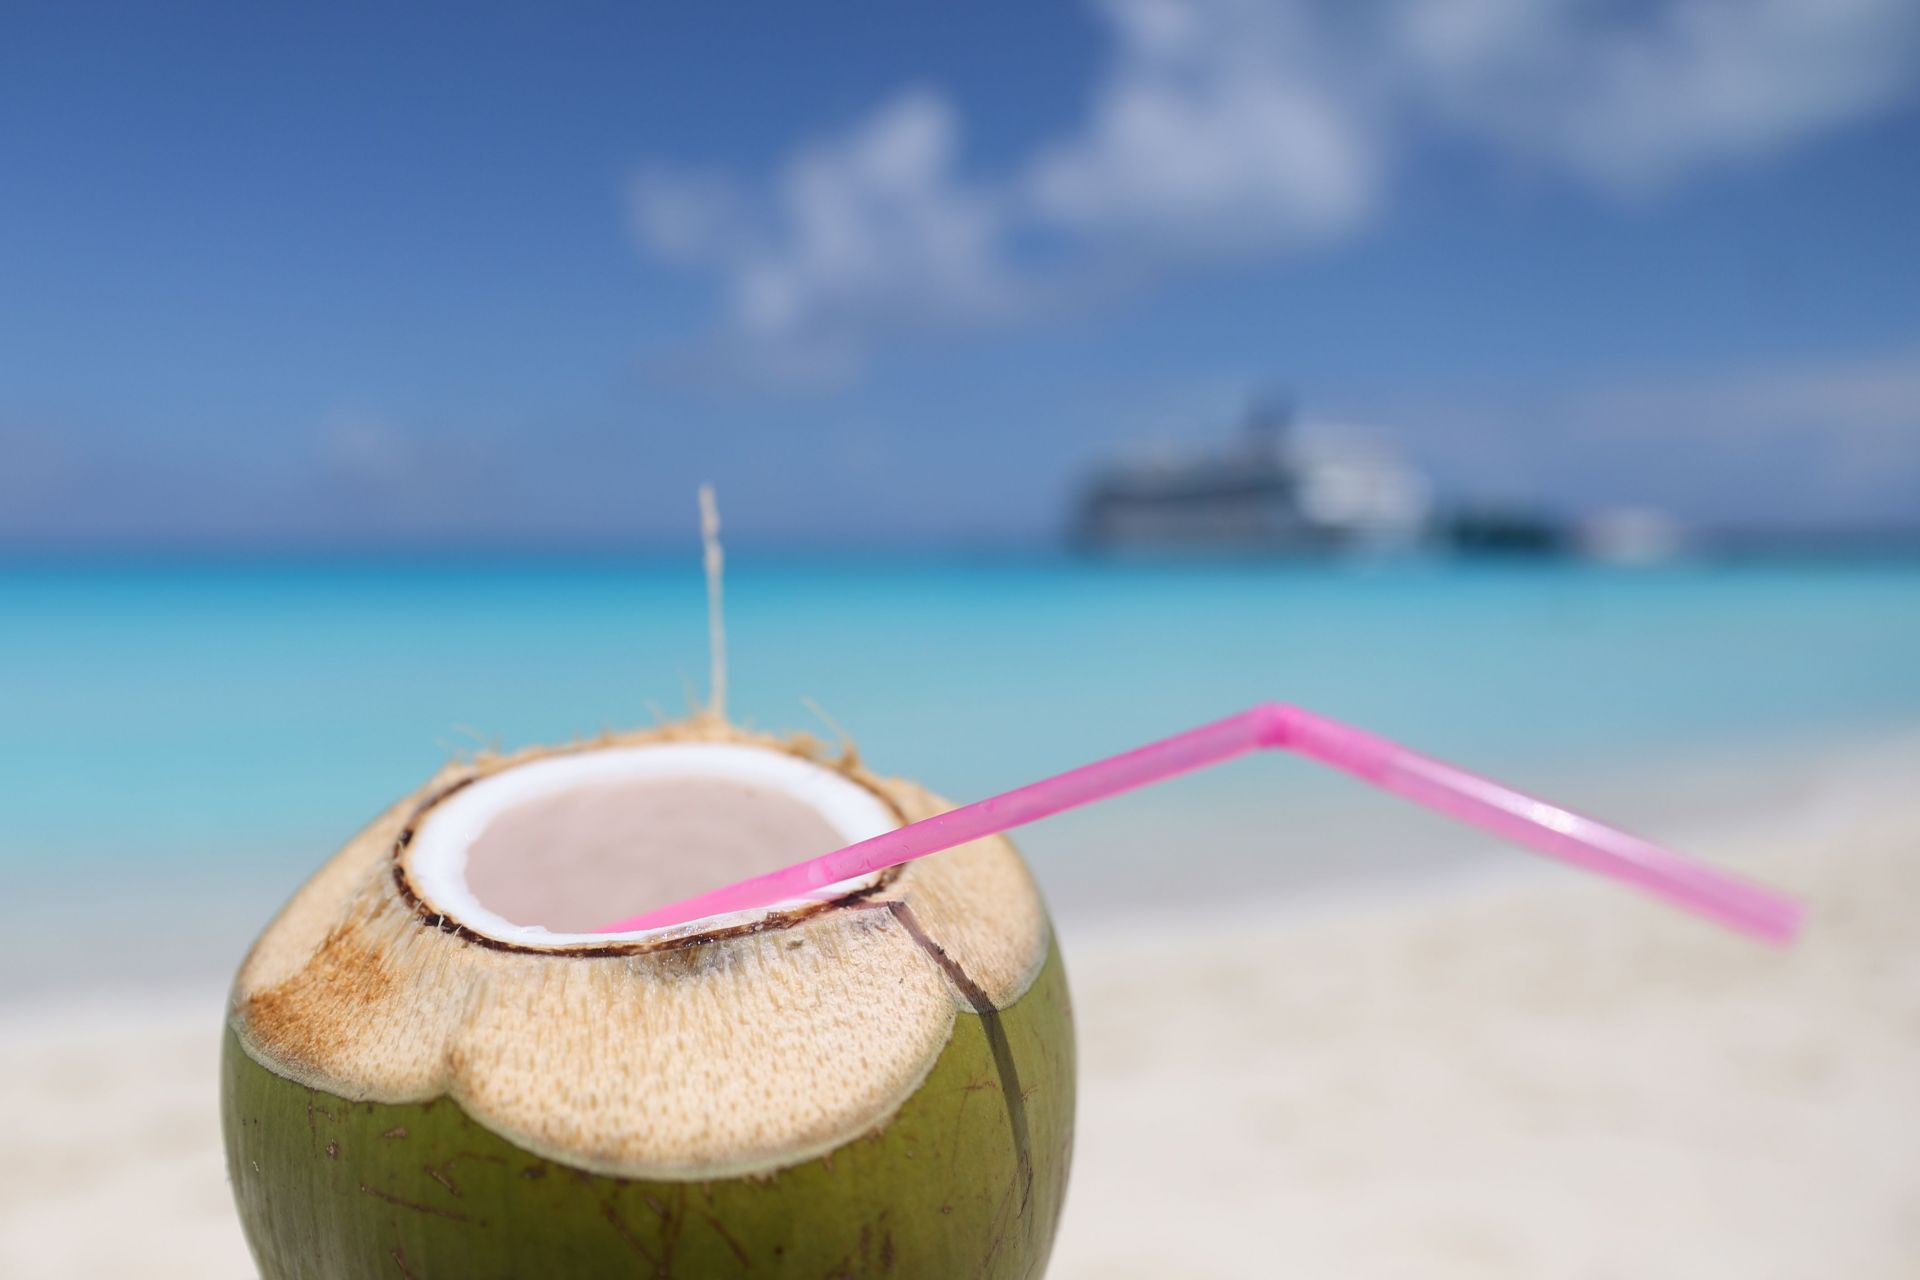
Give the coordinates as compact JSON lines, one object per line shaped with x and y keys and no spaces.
{"x":360,"y":274}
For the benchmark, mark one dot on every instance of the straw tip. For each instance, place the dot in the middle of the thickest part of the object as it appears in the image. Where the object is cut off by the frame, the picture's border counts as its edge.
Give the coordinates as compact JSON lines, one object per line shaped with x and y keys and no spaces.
{"x":1783,"y":923}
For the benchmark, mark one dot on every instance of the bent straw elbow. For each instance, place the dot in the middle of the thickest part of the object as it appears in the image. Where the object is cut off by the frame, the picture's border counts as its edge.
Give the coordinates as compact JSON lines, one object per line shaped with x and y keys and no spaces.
{"x":1274,"y":724}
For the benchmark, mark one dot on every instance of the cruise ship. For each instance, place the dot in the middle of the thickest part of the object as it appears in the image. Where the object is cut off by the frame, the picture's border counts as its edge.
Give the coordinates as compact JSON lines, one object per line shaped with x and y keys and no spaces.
{"x":1282,"y":487}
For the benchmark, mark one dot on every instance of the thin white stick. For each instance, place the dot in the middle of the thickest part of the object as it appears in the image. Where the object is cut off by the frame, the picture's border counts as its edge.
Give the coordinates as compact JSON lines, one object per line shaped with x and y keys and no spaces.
{"x":715,"y":562}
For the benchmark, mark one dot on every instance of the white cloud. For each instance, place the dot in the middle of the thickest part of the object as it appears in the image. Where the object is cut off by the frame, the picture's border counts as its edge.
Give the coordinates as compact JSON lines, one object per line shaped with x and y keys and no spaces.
{"x":1843,"y":438}
{"x":1831,"y":444}
{"x":37,"y":474}
{"x":1235,"y":128}
{"x":367,"y":453}
{"x":1637,"y":96}
{"x":1220,"y":127}
{"x":868,"y":232}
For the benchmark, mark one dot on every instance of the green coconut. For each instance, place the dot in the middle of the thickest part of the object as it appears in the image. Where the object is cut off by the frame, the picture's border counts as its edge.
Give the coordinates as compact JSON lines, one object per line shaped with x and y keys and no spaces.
{"x":435,"y":1067}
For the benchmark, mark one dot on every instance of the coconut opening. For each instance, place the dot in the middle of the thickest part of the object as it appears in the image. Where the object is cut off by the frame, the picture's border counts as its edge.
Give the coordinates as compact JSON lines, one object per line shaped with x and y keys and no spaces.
{"x":553,"y":850}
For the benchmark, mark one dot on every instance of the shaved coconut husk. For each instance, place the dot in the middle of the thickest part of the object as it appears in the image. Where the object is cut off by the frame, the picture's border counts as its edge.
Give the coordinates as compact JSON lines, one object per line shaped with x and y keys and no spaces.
{"x":417,"y":1084}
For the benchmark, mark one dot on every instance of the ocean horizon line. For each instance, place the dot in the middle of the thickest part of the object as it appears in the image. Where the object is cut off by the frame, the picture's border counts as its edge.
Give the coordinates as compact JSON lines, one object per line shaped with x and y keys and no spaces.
{"x":1702,"y":547}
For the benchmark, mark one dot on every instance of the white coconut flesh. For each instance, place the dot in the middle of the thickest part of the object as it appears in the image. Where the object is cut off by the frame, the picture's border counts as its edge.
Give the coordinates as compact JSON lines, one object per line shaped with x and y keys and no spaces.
{"x":551,"y":852}
{"x":451,"y":949}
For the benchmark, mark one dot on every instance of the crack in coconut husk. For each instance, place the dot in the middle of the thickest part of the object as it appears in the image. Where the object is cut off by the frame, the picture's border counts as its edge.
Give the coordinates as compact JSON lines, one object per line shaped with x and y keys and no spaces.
{"x":654,"y":1057}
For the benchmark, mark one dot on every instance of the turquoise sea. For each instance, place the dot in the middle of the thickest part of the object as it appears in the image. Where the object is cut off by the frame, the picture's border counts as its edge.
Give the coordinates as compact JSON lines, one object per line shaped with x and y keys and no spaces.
{"x":174,"y":723}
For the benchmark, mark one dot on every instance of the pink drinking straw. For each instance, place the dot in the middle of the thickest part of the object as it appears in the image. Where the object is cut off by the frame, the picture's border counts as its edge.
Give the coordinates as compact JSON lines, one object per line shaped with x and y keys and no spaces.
{"x":1477,"y":801}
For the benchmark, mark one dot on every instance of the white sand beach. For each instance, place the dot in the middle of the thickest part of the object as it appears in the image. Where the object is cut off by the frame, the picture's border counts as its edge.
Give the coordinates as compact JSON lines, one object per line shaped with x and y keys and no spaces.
{"x":1550,"y":1081}
{"x":1541,"y":1078}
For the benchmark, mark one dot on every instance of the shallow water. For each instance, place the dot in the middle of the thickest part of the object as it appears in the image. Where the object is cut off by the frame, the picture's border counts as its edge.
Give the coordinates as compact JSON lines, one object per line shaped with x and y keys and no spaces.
{"x":205,"y":707}
{"x":193,"y":715}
